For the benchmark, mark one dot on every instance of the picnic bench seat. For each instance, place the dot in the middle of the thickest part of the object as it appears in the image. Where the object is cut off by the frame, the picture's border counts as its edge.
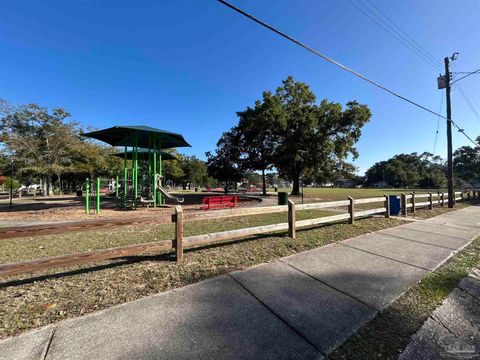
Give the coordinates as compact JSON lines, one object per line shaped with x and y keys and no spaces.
{"x":219,"y":202}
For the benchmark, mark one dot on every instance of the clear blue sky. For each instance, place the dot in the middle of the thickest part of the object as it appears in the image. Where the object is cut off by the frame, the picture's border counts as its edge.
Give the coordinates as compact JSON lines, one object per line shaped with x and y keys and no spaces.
{"x":188,"y":65}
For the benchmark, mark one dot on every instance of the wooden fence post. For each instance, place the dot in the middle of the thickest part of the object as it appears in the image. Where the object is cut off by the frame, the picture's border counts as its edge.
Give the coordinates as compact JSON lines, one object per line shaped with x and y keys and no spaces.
{"x":413,"y":203}
{"x":442,"y":197}
{"x":179,"y":233}
{"x":351,"y":210}
{"x":387,"y":206}
{"x":291,"y":219}
{"x":474,"y":192}
{"x":403,"y":203}
{"x":430,"y":199}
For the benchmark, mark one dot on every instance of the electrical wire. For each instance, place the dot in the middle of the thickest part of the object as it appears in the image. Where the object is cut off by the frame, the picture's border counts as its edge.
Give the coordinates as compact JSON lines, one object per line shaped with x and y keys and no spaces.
{"x":438,"y":124}
{"x":468,"y":101}
{"x":341,"y":66}
{"x":463,"y":77}
{"x":460,"y":130}
{"x":395,"y":34}
{"x":412,"y":40}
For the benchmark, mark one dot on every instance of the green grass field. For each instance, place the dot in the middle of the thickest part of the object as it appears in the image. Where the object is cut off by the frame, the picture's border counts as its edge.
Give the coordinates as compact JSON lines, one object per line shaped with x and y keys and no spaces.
{"x":331,"y":194}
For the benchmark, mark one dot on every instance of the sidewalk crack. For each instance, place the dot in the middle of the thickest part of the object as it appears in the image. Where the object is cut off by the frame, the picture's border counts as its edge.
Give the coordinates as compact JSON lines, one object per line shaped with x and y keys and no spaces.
{"x":330,"y":286}
{"x":440,"y":322}
{"x":278,"y":316}
{"x":419,"y":242}
{"x":386,"y":257}
{"x":49,"y":342}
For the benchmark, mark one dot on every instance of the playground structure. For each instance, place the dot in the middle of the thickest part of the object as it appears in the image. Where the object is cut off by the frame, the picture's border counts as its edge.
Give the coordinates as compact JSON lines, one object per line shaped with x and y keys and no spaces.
{"x":143,"y":157}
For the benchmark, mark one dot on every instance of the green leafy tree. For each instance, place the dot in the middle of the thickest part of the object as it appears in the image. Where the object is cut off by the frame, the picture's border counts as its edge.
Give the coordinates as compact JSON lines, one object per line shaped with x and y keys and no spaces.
{"x":38,"y":140}
{"x":466,"y":162}
{"x":224,"y":165}
{"x":172,"y":169}
{"x":195,"y":171}
{"x":46,"y":146}
{"x":256,"y":135}
{"x":290,"y":132}
{"x":409,"y":170}
{"x":251,"y":178}
{"x":317,"y":139}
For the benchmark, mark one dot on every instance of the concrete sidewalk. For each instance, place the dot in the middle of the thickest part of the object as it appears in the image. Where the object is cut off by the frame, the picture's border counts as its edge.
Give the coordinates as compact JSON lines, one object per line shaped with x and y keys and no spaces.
{"x":300,"y":307}
{"x":451,"y":331}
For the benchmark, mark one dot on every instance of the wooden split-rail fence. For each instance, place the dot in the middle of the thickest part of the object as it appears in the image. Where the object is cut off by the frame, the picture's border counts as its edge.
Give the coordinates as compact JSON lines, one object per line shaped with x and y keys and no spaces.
{"x":409,"y":203}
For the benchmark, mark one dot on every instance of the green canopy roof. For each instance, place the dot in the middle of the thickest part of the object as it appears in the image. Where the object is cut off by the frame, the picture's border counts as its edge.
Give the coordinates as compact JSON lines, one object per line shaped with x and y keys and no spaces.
{"x":143,"y":154}
{"x":141,"y":136}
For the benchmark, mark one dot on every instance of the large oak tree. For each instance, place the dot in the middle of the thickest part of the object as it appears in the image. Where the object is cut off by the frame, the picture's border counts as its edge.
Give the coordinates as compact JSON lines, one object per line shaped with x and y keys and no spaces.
{"x":289,"y":131}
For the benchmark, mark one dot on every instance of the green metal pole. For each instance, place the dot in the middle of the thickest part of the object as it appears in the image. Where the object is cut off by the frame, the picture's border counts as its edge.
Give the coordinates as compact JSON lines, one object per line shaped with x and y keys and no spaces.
{"x":97,"y":203}
{"x":162,"y":198}
{"x":154,"y":173}
{"x":125,"y":179}
{"x":136,"y":170}
{"x":149,"y":176}
{"x":133,"y":174}
{"x":87,"y":196}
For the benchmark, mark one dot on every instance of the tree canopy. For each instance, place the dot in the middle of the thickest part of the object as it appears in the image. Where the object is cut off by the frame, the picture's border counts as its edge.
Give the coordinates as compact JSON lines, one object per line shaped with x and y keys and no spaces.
{"x":466,"y":162}
{"x":224,"y":165}
{"x":45,"y":145}
{"x":186,"y":170}
{"x":290,"y":132}
{"x":409,"y":170}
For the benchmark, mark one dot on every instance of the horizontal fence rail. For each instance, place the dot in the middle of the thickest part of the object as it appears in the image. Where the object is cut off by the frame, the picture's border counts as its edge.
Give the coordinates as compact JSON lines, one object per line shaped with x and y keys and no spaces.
{"x":408,"y":203}
{"x":368,"y":201}
{"x":323,"y":205}
{"x":82,"y":258}
{"x":237,"y":212}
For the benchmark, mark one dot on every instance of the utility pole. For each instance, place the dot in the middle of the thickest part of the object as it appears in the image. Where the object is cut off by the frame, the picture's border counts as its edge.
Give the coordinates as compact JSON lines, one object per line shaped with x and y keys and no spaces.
{"x":451,"y":194}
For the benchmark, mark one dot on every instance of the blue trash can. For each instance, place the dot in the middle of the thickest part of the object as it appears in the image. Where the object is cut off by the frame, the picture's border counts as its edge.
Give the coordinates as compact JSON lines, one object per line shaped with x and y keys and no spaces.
{"x":394,"y":204}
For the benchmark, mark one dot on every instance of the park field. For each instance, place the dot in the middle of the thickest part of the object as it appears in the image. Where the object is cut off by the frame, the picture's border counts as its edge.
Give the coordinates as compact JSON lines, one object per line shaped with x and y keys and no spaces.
{"x":334,"y":194}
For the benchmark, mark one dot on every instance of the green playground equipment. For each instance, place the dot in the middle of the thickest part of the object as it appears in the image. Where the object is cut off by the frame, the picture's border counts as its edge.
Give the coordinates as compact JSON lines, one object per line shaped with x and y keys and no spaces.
{"x":93,"y":190}
{"x":143,"y":157}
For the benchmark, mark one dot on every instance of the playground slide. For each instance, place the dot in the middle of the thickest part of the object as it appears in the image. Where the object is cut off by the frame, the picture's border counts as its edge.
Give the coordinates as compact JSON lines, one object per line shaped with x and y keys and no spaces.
{"x":166,"y":193}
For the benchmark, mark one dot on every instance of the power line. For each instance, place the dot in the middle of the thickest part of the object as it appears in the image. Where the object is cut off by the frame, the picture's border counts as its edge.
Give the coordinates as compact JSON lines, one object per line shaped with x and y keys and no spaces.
{"x":438,"y":124}
{"x":412,"y":40}
{"x":468,"y":74}
{"x":336,"y":63}
{"x":395,"y":34}
{"x":460,"y":130}
{"x":464,"y":72}
{"x":468,"y":101}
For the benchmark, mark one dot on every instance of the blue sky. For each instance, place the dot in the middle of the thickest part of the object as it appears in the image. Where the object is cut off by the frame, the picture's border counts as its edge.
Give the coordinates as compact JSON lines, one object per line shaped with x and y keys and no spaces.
{"x":188,"y":65}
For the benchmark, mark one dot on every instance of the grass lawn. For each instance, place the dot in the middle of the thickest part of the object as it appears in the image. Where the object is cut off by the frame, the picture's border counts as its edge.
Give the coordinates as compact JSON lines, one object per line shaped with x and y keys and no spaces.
{"x":28,"y":248}
{"x":33,"y":300}
{"x":333,"y":194}
{"x":388,"y":334}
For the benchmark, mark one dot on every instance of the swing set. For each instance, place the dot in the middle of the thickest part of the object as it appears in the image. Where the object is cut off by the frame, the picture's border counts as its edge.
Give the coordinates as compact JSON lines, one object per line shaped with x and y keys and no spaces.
{"x":143,"y":150}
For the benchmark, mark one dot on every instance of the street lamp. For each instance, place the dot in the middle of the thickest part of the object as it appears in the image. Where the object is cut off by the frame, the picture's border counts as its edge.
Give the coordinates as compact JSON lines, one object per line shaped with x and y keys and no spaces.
{"x":11,"y":183}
